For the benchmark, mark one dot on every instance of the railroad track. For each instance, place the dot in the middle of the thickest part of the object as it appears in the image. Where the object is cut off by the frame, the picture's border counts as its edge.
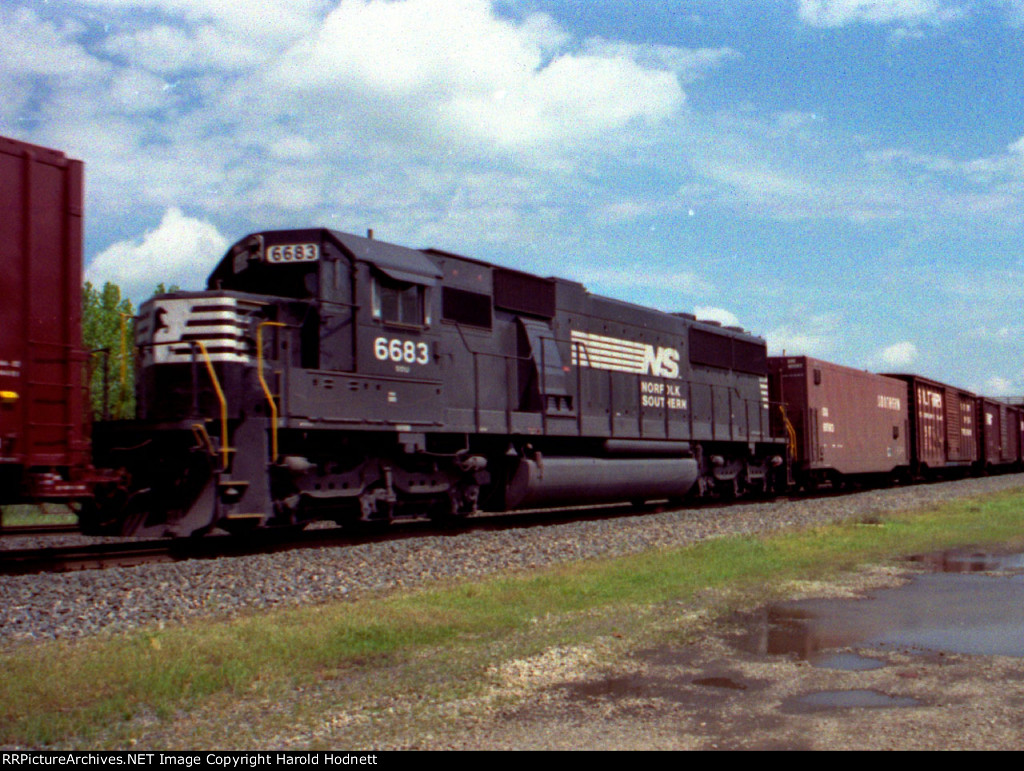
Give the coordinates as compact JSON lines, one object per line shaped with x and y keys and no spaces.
{"x":95,"y":556}
{"x":127,"y":553}
{"x":83,"y":557}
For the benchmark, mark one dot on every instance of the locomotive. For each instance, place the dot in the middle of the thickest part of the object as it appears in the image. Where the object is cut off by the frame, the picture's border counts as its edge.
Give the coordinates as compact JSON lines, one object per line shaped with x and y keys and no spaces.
{"x":324,"y":375}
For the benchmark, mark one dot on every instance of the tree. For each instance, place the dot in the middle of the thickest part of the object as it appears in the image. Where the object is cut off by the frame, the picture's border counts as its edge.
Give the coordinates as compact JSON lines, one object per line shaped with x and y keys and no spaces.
{"x":108,"y":333}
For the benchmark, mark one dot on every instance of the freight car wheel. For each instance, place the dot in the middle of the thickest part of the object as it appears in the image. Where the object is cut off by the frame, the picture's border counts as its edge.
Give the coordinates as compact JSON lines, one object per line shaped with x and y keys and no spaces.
{"x":92,"y":522}
{"x":101,"y":514}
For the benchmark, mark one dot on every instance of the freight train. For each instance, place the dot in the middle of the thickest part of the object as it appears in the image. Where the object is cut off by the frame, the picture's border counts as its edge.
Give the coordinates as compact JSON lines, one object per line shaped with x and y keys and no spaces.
{"x":324,"y":375}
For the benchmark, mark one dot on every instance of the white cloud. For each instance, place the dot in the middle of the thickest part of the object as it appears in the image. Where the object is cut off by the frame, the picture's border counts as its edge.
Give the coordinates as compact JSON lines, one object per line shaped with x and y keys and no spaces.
{"x":690,"y":64}
{"x":37,"y":47}
{"x":135,"y":91}
{"x":793,"y":342}
{"x":405,"y":48}
{"x":898,"y":354}
{"x":458,"y":72}
{"x":793,"y":166}
{"x":837,"y":13}
{"x":999,"y":386}
{"x":181,"y":250}
{"x":294,"y":148}
{"x":572,"y":99}
{"x":721,"y":315}
{"x":34,"y":50}
{"x":1015,"y":12}
{"x":258,"y":18}
{"x":808,"y":335}
{"x":613,"y":281}
{"x":423,"y":117}
{"x":170,"y":50}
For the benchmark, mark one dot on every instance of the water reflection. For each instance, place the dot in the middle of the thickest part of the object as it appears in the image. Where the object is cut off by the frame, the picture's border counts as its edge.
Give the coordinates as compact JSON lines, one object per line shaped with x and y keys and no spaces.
{"x":960,"y":610}
{"x":825,"y":700}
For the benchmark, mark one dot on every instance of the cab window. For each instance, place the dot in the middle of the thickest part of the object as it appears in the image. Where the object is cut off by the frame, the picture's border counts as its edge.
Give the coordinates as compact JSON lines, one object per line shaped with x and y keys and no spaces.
{"x":396,"y":302}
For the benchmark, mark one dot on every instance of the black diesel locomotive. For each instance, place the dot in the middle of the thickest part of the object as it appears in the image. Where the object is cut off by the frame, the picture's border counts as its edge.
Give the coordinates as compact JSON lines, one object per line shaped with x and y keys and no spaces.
{"x":323,"y":375}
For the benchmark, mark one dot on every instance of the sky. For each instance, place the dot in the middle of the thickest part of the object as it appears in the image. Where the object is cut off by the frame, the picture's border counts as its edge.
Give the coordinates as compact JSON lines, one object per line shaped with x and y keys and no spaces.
{"x":844,"y":178}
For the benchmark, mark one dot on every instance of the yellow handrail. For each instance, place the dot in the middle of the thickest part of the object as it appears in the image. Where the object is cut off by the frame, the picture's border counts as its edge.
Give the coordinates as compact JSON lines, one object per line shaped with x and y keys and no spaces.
{"x":266,"y":388}
{"x":790,"y":431}
{"x":225,"y":450}
{"x":202,"y":438}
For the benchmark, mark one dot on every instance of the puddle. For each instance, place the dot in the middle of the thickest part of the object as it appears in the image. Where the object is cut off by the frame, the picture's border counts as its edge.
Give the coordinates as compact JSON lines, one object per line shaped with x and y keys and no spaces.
{"x":974,"y":606}
{"x":720,"y":682}
{"x":826,"y":700}
{"x":847,"y":662}
{"x":971,"y":604}
{"x":971,"y":562}
{"x":625,"y":689}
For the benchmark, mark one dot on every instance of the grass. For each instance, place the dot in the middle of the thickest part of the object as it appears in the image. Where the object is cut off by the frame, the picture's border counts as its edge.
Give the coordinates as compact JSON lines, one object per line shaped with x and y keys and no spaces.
{"x":441,"y":640}
{"x":43,"y":514}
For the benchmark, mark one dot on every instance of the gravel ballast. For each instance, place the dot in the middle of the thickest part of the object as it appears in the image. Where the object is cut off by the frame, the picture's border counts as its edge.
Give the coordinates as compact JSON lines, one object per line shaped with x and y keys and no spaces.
{"x":73,"y":605}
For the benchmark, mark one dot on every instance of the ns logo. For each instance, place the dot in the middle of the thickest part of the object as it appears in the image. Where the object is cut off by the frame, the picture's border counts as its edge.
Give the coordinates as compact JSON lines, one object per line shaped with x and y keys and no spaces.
{"x":661,"y":362}
{"x":616,"y":354}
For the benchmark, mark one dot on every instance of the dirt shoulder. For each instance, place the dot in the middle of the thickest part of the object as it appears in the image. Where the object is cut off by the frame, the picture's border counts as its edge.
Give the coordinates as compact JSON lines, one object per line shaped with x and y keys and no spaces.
{"x":717,"y":694}
{"x":676,"y":680}
{"x":710,"y":697}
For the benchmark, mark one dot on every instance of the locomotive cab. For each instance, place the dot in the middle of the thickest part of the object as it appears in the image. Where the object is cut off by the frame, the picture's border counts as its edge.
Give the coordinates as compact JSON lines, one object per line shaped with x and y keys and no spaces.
{"x":297,"y":386}
{"x":350,"y":412}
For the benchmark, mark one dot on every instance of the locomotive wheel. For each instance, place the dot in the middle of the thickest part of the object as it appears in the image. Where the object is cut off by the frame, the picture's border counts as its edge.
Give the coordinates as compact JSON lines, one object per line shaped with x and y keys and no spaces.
{"x":367,"y":526}
{"x":445,"y":515}
{"x":239,"y":526}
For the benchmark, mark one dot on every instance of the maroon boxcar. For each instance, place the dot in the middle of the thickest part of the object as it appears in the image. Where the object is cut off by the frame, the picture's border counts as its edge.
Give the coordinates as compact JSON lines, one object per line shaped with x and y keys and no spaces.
{"x":999,"y":437}
{"x":845,"y":422}
{"x":43,"y":422}
{"x":943,"y":426}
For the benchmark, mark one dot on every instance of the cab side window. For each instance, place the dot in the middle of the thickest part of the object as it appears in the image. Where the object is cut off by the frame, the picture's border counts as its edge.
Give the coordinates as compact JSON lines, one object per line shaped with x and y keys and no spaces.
{"x":396,"y":302}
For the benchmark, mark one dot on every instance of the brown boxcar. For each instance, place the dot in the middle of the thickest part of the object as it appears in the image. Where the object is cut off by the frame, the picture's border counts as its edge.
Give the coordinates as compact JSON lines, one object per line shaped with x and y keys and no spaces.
{"x":846,"y":422}
{"x":43,"y":422}
{"x":999,"y":436}
{"x":1017,"y":432}
{"x":943,"y":426}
